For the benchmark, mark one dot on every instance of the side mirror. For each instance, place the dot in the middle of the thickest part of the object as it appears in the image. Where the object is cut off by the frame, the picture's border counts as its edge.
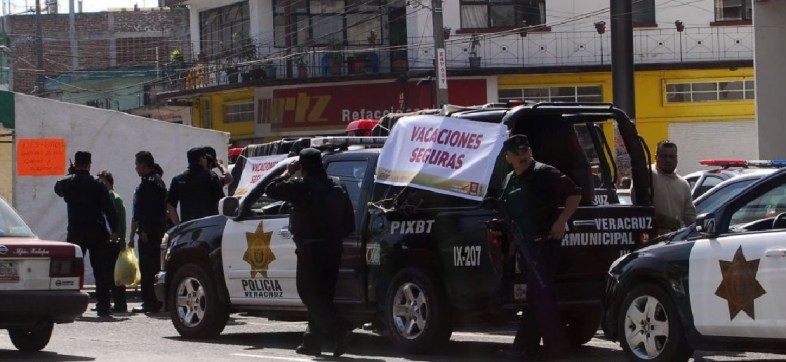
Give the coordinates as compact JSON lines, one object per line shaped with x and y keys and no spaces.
{"x":229,"y":206}
{"x":705,"y":223}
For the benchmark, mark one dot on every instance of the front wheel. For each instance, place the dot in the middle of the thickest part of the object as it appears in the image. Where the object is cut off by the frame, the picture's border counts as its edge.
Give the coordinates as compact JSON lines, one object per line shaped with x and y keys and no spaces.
{"x":582,"y":325}
{"x":650,"y":328}
{"x":31,"y":340}
{"x":416,"y":312}
{"x":194,"y":307}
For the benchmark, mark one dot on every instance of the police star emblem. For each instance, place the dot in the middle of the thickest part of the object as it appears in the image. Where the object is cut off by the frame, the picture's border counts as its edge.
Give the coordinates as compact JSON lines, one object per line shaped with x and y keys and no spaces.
{"x":259,"y":255}
{"x":739,"y":285}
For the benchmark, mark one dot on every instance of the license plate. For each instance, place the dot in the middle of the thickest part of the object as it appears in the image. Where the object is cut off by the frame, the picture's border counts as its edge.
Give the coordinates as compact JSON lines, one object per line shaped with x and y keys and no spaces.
{"x":8,"y":272}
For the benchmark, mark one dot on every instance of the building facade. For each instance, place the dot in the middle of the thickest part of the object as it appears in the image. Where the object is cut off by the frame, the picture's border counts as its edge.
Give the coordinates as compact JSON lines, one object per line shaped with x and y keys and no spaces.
{"x":279,"y":68}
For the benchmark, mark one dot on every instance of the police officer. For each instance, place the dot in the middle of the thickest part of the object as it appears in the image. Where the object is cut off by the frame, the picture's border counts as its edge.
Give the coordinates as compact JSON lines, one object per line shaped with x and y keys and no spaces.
{"x":195,"y":190}
{"x":318,"y":223}
{"x":533,"y":193}
{"x":149,"y":222}
{"x":213,"y":163}
{"x":90,"y":209}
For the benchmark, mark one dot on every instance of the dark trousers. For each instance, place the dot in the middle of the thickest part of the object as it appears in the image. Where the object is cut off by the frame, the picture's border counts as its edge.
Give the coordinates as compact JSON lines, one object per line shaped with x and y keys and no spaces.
{"x":149,"y":266}
{"x":317,"y":272}
{"x":541,"y":318}
{"x":118,"y":291}
{"x":102,"y":262}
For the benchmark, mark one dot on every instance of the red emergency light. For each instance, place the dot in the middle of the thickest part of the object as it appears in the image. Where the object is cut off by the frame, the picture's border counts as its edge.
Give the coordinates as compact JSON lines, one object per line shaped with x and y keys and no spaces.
{"x":235,"y":151}
{"x":724,"y":163}
{"x":361,"y":127}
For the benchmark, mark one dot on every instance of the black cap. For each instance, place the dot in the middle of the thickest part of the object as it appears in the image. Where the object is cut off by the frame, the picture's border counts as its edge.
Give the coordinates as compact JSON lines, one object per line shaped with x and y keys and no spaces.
{"x":310,"y":158}
{"x":195,"y":154}
{"x":82,"y":158}
{"x":210,"y":152}
{"x":516,"y":142}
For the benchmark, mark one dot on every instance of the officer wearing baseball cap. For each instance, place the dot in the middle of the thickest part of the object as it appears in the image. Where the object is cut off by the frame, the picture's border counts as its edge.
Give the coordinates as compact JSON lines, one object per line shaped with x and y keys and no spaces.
{"x":90,"y":209}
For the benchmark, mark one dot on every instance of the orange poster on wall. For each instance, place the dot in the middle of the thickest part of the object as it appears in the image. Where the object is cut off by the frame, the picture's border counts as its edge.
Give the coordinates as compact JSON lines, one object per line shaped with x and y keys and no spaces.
{"x":41,"y":157}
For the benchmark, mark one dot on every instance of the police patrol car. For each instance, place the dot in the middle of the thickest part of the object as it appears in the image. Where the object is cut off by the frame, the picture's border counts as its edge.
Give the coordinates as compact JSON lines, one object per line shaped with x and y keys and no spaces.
{"x":702,"y":181}
{"x":715,"y":285}
{"x":420,"y":263}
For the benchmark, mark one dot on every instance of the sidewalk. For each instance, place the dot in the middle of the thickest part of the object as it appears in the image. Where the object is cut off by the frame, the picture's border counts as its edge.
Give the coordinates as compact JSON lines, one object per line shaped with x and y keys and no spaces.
{"x":132,"y":293}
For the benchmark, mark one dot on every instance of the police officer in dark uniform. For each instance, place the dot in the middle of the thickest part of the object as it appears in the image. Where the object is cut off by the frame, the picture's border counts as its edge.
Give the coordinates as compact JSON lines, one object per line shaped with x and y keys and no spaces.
{"x":149,"y":222}
{"x":213,"y":162}
{"x":318,"y":223}
{"x":90,"y":209}
{"x":195,"y":190}
{"x":533,"y":193}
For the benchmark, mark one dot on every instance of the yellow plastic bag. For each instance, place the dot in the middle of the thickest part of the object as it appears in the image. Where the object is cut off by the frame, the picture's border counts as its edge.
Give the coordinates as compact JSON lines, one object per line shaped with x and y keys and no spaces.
{"x":127,"y":268}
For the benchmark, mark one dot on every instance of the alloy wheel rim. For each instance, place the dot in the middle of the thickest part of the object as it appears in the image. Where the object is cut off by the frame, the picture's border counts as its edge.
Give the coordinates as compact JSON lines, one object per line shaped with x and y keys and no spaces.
{"x":410,"y":311}
{"x":190,"y":302}
{"x":646,"y":327}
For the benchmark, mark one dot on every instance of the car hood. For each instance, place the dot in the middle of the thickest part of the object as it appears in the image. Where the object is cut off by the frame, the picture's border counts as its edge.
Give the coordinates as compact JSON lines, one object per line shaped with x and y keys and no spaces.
{"x":31,"y":247}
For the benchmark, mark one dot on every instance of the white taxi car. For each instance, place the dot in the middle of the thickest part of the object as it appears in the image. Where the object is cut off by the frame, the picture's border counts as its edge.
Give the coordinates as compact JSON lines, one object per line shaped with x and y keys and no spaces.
{"x":40,"y":283}
{"x":702,"y":181}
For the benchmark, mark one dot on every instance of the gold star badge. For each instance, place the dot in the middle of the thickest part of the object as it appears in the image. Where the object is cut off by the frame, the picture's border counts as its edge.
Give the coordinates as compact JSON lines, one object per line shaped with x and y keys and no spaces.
{"x":258,"y":254}
{"x":739,"y":285}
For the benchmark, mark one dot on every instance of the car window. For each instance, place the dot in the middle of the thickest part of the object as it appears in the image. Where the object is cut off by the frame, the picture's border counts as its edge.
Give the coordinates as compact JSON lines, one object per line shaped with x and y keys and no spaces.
{"x":264,"y":206}
{"x":692,"y":181}
{"x":709,"y":182}
{"x":11,"y":225}
{"x":767,"y":205}
{"x":715,"y":198}
{"x":351,"y":175}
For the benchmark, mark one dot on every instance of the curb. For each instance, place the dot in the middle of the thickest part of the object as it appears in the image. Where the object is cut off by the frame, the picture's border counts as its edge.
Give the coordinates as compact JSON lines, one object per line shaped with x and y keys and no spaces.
{"x":133,"y":294}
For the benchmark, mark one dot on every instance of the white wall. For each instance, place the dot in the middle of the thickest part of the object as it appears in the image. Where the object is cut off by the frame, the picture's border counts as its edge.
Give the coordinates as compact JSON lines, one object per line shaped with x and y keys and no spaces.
{"x":699,"y":141}
{"x":769,"y":52}
{"x":113,"y":138}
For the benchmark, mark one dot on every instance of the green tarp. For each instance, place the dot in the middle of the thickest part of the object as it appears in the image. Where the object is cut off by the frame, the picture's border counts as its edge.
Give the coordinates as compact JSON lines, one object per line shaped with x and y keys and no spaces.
{"x":7,"y":112}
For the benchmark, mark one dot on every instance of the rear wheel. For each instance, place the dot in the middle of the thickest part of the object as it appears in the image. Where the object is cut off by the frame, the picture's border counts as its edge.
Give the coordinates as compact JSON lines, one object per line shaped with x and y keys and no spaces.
{"x":582,"y":325}
{"x":650,"y":328}
{"x":31,"y":340}
{"x":194,"y":307}
{"x":416,"y":312}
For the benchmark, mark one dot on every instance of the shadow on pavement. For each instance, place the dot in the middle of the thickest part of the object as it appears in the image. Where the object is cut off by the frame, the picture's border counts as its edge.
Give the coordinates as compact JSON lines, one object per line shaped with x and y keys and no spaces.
{"x":12,"y":355}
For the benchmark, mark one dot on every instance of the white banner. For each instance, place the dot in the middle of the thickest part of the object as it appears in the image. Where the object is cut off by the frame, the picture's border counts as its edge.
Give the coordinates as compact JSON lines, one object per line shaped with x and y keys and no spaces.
{"x":256,"y":168}
{"x":446,"y":155}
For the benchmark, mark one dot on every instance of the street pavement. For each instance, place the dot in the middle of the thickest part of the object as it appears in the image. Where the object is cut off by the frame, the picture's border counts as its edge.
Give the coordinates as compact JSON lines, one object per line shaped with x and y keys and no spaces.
{"x":139,"y":337}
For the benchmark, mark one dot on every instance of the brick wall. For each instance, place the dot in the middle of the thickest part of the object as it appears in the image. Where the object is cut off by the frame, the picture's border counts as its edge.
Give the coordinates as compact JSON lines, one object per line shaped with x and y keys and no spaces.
{"x":103,"y":40}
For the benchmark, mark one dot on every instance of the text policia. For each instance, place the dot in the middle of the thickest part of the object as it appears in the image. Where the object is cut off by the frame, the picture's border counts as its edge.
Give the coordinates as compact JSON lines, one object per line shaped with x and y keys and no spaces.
{"x":447,"y":137}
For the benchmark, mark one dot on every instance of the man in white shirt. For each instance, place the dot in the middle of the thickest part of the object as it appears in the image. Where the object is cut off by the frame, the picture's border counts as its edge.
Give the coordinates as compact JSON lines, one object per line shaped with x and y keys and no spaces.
{"x":673,"y":203}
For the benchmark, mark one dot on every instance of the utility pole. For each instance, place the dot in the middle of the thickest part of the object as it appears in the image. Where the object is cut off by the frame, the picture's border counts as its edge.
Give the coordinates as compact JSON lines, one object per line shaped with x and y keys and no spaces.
{"x":622,"y":56}
{"x":39,"y":51}
{"x":439,"y":53}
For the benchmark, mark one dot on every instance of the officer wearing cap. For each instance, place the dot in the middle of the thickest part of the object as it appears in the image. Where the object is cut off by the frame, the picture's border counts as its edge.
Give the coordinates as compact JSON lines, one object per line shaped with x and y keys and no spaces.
{"x":90,"y":210}
{"x":533,"y":193}
{"x":149,"y":222}
{"x":195,"y":190}
{"x":213,"y":162}
{"x":319,"y":225}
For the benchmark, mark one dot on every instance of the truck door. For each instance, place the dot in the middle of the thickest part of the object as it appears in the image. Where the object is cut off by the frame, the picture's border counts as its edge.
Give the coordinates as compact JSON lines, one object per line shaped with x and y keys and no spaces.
{"x":352,"y":173}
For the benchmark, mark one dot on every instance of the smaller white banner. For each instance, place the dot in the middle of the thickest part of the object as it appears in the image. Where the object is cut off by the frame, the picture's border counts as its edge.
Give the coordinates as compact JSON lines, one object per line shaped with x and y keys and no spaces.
{"x":256,"y":168}
{"x":446,"y":155}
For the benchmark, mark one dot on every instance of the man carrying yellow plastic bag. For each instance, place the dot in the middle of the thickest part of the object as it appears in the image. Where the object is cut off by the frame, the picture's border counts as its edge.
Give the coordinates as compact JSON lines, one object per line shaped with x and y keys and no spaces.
{"x":127,"y":269}
{"x":116,"y":246}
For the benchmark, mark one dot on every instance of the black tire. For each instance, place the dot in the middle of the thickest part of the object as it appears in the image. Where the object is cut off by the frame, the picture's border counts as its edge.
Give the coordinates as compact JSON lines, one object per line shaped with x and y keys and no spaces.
{"x":648,"y":318}
{"x":416,"y":313}
{"x":31,"y":340}
{"x":194,"y":305}
{"x":582,"y":325}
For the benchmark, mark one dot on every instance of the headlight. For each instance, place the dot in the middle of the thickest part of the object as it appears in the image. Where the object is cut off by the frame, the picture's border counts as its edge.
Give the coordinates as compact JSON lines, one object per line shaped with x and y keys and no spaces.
{"x":617,"y":262}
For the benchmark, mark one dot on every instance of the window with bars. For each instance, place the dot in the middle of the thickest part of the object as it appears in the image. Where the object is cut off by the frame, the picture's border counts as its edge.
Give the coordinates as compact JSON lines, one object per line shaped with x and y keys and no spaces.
{"x":697,"y":92}
{"x":238,"y":112}
{"x":730,"y":10}
{"x":553,"y":94}
{"x":478,"y":14}
{"x":643,"y":11}
{"x":326,"y":21}
{"x":136,"y":51}
{"x":217,"y":27}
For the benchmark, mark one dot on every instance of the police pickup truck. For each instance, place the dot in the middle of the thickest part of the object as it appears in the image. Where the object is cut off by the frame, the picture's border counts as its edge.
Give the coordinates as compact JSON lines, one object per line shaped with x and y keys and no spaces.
{"x":420,"y":263}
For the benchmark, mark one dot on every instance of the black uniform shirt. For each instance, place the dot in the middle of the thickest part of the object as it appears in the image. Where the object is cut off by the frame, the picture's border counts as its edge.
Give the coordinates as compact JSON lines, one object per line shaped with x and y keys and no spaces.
{"x":88,"y":202}
{"x":197,"y":191}
{"x":150,"y":203}
{"x":534,"y":197}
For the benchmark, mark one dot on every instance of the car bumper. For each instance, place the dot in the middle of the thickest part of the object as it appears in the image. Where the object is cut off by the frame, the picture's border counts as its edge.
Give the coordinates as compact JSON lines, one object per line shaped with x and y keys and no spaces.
{"x":26,"y":308}
{"x":159,"y":286}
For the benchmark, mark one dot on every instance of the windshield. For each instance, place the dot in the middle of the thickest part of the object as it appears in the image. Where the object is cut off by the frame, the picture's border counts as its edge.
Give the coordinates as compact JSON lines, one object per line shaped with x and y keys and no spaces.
{"x":717,"y":196}
{"x":11,"y":225}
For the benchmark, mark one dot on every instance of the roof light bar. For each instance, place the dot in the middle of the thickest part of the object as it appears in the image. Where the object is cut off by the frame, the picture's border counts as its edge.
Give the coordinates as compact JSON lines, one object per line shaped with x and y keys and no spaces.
{"x":744,"y":163}
{"x":335,"y":142}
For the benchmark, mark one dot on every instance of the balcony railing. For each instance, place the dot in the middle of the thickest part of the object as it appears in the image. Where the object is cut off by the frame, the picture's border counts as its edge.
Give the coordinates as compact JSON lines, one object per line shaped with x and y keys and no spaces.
{"x":536,"y":49}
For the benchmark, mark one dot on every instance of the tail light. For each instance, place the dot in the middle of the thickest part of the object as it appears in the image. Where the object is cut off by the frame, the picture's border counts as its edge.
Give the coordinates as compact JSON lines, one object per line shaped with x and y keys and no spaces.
{"x":68,"y":268}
